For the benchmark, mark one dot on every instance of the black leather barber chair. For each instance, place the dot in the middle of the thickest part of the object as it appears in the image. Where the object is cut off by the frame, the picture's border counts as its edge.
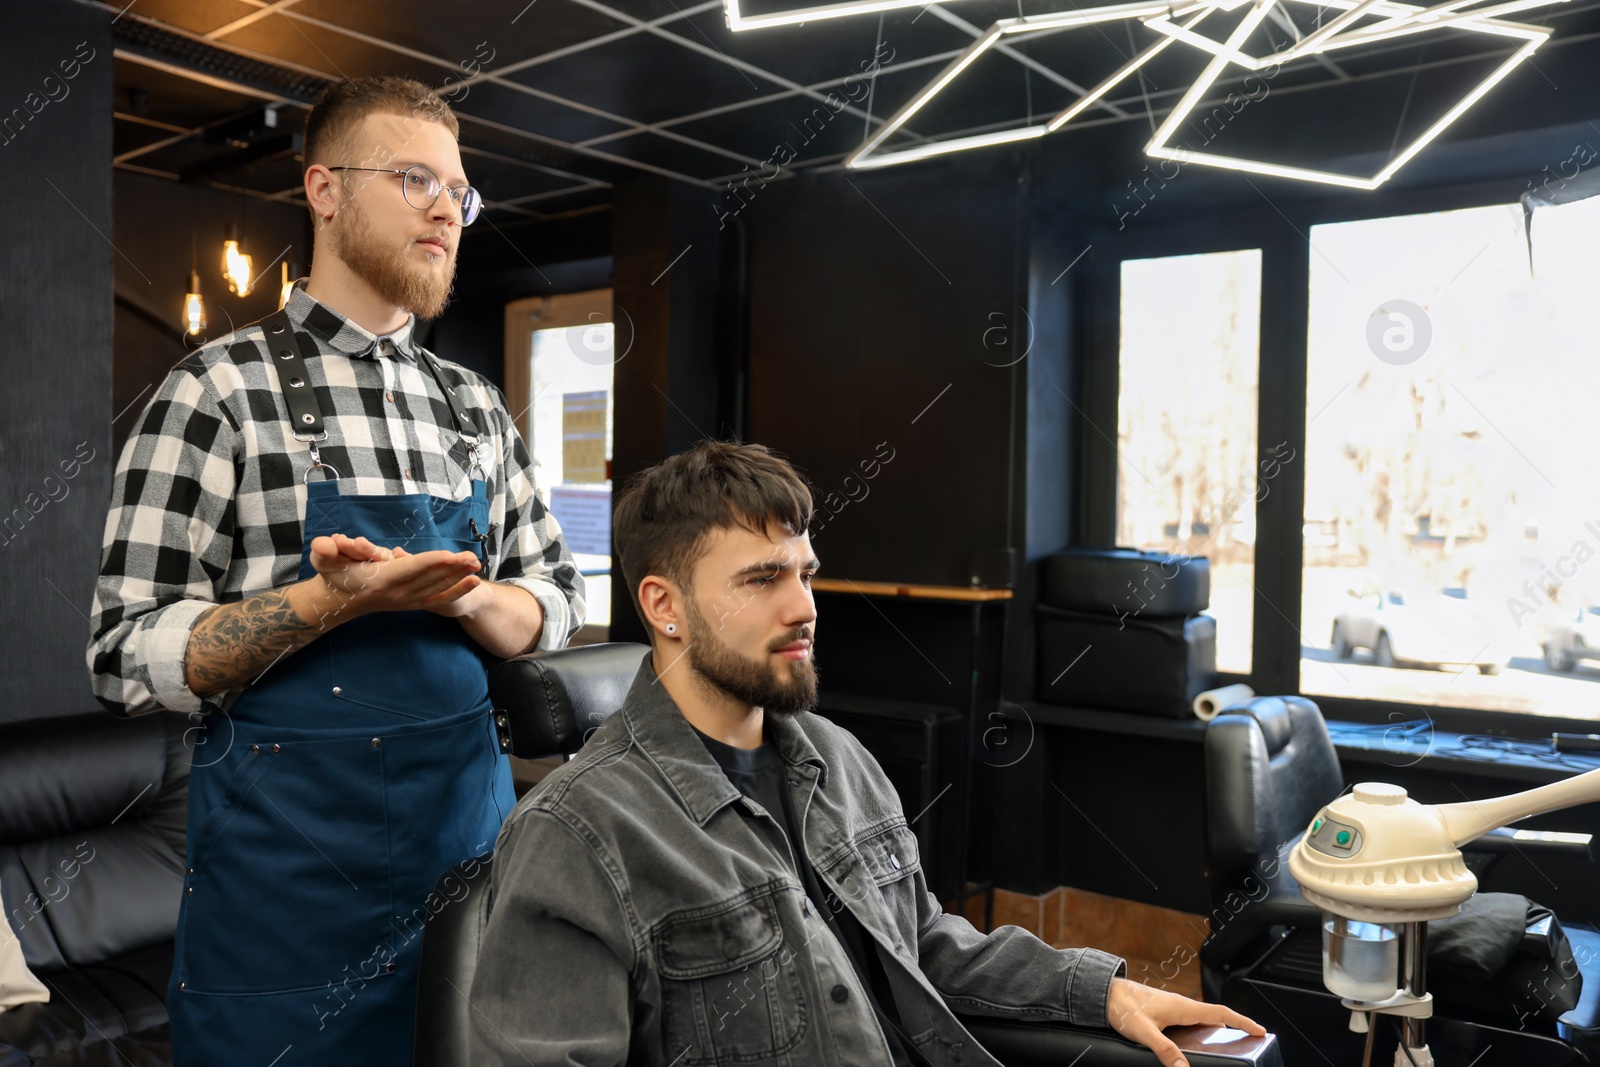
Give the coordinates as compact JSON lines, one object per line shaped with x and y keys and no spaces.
{"x":552,"y":702}
{"x":91,"y":868}
{"x":1270,"y":766}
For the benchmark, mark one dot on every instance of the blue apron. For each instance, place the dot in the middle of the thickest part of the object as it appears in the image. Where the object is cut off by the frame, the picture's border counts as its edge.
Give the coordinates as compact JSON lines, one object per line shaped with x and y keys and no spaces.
{"x":353,"y":773}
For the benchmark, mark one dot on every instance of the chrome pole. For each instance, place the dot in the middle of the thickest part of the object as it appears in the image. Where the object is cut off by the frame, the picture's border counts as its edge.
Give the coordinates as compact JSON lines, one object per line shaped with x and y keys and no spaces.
{"x":1415,"y":965}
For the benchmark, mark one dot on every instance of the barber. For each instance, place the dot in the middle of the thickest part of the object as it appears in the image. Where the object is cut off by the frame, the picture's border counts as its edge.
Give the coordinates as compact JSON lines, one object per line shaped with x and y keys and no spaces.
{"x":320,"y":534}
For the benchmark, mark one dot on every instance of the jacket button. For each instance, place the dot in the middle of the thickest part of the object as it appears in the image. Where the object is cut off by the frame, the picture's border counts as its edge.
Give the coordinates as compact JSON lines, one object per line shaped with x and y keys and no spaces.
{"x":389,"y":967}
{"x":191,"y":870}
{"x":182,"y":985}
{"x":840,"y":994}
{"x":377,"y":742}
{"x":188,"y":890}
{"x":894,"y":861}
{"x":730,"y":947}
{"x":277,"y":748}
{"x":337,"y":690}
{"x":255,"y":750}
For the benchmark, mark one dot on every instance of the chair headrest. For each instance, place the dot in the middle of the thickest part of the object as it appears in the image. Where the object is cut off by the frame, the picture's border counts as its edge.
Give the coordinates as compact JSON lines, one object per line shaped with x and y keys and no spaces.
{"x":1273,"y":715}
{"x":554,"y":700}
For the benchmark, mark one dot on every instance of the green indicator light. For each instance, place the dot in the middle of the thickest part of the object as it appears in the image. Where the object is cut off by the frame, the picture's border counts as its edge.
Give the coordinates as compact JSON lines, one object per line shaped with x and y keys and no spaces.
{"x":1317,"y":825}
{"x":1342,"y":837}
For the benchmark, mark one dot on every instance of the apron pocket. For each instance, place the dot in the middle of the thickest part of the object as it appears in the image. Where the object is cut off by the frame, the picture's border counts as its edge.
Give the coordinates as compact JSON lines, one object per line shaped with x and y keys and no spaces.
{"x":291,"y":883}
{"x":413,"y":664}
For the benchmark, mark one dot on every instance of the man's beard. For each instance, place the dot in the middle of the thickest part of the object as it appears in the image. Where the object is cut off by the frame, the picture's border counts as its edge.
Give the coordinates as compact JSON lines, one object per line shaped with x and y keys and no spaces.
{"x":753,"y":682}
{"x":390,"y":271}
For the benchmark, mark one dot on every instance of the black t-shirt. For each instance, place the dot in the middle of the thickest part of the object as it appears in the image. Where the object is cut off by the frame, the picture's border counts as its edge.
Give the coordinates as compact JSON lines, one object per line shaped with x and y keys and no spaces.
{"x":758,"y":774}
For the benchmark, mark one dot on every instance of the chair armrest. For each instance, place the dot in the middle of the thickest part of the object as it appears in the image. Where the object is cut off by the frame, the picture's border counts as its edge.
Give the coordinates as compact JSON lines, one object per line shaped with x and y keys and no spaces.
{"x":1052,"y":1044}
{"x":1278,"y":909}
{"x":1506,"y":840}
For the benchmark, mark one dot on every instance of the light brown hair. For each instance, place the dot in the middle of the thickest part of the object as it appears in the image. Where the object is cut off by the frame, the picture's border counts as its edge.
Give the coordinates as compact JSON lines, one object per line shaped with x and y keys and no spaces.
{"x":338,"y":114}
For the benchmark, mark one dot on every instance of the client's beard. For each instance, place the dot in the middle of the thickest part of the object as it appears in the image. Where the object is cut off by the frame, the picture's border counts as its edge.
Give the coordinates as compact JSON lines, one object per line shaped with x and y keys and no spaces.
{"x":752,"y":682}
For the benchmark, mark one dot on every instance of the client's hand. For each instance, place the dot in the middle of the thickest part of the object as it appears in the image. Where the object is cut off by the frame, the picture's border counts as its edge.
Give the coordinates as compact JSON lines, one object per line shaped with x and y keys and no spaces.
{"x":1139,"y":1013}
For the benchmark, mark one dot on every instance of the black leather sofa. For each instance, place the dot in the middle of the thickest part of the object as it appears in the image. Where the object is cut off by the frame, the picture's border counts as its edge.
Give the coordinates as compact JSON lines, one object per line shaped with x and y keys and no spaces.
{"x":92,"y":813}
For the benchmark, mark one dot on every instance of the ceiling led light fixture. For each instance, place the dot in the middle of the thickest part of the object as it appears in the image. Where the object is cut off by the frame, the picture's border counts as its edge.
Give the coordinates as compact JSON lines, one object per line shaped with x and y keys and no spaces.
{"x":1391,"y":19}
{"x":1160,"y":148}
{"x":867,"y":156}
{"x":738,"y":21}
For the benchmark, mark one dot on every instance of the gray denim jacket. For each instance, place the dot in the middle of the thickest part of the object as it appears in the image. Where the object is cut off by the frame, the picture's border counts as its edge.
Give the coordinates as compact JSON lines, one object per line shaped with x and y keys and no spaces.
{"x":636,"y":918}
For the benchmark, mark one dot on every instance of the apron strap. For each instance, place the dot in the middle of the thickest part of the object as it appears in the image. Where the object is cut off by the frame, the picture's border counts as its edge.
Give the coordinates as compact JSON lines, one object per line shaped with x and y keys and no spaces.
{"x":304,"y":414}
{"x":464,"y":424}
{"x":290,"y":361}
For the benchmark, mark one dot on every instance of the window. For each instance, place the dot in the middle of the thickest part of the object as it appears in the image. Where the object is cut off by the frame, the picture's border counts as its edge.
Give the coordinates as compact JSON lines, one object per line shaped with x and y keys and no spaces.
{"x":1187,"y":479}
{"x":559,"y":357}
{"x":1448,"y":461}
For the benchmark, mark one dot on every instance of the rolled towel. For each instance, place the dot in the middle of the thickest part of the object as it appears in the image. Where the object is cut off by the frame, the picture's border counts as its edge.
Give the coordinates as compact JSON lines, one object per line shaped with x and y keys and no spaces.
{"x":1212,"y":701}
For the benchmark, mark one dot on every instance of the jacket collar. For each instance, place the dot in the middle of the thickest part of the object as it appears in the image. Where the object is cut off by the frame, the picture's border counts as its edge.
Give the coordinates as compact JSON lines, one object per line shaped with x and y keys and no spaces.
{"x":342,"y":335}
{"x":658,"y":727}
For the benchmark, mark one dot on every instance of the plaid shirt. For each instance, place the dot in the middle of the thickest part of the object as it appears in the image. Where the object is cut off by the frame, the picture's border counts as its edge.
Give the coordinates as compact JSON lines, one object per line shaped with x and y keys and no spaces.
{"x":208,"y":500}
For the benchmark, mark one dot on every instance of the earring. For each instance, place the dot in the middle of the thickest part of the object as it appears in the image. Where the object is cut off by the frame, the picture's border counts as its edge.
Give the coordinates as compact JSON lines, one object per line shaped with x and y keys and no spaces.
{"x":672,"y":627}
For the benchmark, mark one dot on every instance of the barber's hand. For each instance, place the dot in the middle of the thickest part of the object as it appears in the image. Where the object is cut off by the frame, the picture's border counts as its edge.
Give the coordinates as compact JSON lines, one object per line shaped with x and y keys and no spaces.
{"x":1139,"y":1013}
{"x":463,"y":598}
{"x":373,"y":578}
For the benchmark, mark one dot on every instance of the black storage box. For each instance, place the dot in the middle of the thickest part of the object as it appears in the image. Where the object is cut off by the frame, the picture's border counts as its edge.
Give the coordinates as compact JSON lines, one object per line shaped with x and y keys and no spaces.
{"x":1134,"y":619}
{"x":1125,"y":582}
{"x":1152,"y":666}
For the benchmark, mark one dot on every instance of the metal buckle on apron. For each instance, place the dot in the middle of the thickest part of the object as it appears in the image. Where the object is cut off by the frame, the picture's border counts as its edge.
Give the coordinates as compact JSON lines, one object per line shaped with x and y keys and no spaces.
{"x":483,"y":543}
{"x":316,"y":457}
{"x":472,"y":453}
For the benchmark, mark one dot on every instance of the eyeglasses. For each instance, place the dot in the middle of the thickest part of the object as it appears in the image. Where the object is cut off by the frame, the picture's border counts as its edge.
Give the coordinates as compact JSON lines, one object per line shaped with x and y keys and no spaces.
{"x":421,"y":187}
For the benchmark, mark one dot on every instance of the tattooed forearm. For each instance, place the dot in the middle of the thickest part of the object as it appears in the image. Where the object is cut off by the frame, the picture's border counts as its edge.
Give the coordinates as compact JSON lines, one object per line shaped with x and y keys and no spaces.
{"x":232,"y":644}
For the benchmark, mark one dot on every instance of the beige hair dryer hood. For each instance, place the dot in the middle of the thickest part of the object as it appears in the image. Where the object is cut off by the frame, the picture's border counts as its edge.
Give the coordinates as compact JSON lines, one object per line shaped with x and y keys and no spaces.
{"x":1376,"y":854}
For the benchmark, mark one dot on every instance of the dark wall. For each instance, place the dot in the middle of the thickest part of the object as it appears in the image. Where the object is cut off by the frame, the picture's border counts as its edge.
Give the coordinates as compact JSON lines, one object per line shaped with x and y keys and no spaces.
{"x":163,"y":226}
{"x":884,"y":316}
{"x":55,"y":316}
{"x":679,"y":355}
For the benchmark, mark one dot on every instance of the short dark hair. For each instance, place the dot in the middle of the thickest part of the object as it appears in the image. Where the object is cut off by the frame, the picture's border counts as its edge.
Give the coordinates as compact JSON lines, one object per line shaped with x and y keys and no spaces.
{"x":338,"y":113}
{"x":665,"y":513}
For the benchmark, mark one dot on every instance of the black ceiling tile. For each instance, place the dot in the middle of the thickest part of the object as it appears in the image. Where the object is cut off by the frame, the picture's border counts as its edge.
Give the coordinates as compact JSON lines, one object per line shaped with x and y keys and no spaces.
{"x":176,"y":157}
{"x":127,"y":136}
{"x":335,"y":54}
{"x":673,"y":155}
{"x":649,"y":10}
{"x":578,"y":199}
{"x":570,"y":161}
{"x":524,"y":111}
{"x":573,"y":201}
{"x":994,"y":89}
{"x":794,"y":127}
{"x":646,"y":78}
{"x":500,"y":180}
{"x":197,"y":16}
{"x":156,"y":94}
{"x":829,"y":50}
{"x":499,"y":33}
